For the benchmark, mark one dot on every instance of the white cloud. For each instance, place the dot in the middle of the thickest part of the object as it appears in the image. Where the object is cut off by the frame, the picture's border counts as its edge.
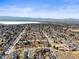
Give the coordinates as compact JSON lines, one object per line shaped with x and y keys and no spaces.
{"x":43,"y":13}
{"x":14,"y":9}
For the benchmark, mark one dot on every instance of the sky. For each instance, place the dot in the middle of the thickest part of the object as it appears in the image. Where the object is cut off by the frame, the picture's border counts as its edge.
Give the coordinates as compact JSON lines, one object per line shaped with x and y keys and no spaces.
{"x":40,"y":8}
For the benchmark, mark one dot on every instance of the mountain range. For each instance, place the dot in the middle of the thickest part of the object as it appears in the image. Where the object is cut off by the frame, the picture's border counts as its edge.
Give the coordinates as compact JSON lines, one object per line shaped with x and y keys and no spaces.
{"x":51,"y":20}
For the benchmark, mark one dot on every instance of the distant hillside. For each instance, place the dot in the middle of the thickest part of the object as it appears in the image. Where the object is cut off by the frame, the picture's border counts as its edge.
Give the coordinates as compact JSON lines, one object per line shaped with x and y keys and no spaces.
{"x":68,"y":20}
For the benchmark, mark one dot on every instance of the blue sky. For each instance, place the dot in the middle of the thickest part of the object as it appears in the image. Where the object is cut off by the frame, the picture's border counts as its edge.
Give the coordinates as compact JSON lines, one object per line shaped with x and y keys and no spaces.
{"x":40,"y":8}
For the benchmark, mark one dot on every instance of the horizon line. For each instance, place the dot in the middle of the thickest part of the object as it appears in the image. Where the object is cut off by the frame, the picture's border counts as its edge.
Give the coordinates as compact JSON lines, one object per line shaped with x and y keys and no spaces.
{"x":38,"y":17}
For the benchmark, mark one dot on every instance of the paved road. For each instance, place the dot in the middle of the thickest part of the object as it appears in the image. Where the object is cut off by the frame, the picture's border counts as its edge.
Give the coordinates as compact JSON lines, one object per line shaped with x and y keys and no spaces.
{"x":51,"y":43}
{"x":16,"y":41}
{"x":48,"y":39}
